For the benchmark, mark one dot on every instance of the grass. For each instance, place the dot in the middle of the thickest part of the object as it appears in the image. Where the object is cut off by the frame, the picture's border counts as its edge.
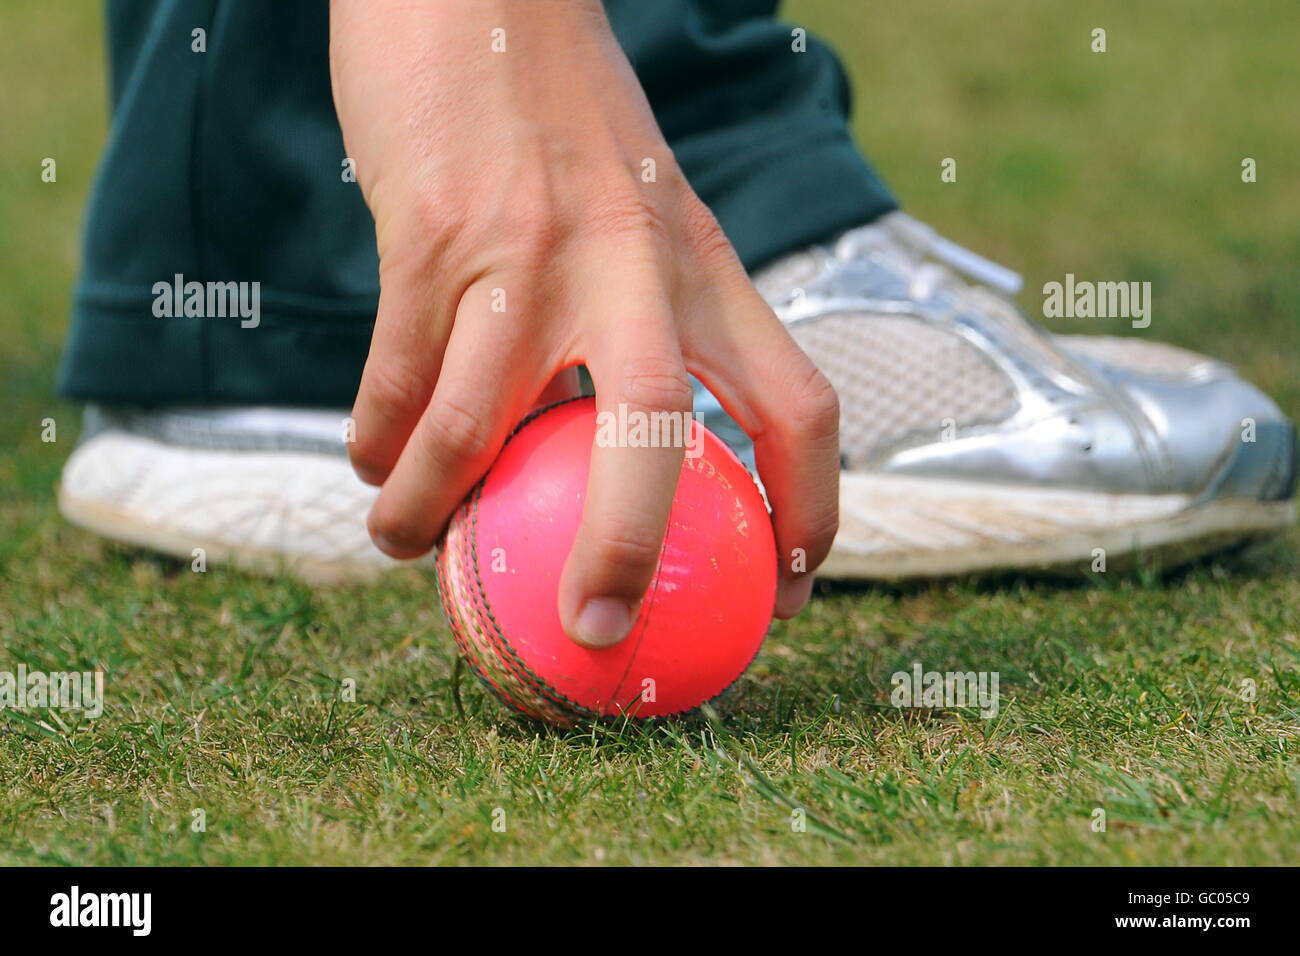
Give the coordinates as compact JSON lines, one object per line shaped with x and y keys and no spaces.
{"x":1120,"y":692}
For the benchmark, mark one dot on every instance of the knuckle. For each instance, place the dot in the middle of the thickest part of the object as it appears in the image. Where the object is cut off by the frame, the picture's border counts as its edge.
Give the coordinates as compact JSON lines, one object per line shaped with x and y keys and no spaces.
{"x":657,"y":383}
{"x":435,"y":220}
{"x":631,"y":554}
{"x":393,"y":390}
{"x":534,"y":226}
{"x":457,"y":430}
{"x":814,"y":405}
{"x":704,"y":235}
{"x":526,"y":221}
{"x":626,"y":215}
{"x":430,"y":215}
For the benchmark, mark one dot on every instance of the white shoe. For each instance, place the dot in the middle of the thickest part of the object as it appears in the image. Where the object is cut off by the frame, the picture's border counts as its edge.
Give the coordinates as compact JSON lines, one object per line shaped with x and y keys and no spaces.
{"x":267,"y":489}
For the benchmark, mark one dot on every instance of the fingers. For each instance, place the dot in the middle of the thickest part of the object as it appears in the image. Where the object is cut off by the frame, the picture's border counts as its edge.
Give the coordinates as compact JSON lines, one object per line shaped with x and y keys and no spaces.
{"x":437,"y":404}
{"x":629,"y":489}
{"x":406,"y":354}
{"x":484,"y":389}
{"x":748,"y":360}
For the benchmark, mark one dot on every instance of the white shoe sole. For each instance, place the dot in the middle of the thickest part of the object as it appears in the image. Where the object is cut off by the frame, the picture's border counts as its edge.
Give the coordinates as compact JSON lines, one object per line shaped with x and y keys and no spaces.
{"x":269,"y":512}
{"x":894,"y":528}
{"x":273,"y":512}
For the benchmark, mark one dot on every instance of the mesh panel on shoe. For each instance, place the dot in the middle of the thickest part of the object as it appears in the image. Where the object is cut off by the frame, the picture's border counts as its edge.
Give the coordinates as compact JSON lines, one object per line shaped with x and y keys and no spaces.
{"x":898,"y":376}
{"x":1134,"y":354}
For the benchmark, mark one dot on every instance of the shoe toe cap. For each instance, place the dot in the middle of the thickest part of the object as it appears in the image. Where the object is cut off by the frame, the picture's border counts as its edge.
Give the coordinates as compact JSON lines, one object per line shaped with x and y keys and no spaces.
{"x":1220,"y":436}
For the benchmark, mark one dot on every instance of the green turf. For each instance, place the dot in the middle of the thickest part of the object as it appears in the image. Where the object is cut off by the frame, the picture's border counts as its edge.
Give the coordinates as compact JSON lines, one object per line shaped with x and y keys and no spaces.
{"x":1120,"y":692}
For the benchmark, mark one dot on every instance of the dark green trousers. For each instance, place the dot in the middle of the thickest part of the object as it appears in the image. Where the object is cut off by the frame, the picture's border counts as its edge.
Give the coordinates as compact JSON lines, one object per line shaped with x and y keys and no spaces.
{"x":226,"y":166}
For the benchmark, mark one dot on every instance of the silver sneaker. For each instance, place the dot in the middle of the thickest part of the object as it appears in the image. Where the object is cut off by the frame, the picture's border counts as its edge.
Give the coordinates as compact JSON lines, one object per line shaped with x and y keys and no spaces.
{"x":972,"y":440}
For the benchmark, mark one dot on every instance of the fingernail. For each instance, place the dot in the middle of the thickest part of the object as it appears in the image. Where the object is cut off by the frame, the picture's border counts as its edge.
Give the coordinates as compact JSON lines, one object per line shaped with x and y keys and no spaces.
{"x":604,"y":622}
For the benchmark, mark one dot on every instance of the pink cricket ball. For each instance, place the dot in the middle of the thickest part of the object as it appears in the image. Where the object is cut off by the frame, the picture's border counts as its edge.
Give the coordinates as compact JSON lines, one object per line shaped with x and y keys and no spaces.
{"x":705,"y":613}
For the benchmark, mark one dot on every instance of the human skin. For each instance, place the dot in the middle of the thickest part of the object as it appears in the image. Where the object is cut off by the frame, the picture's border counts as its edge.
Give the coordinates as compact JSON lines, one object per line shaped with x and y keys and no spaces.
{"x":519,"y":174}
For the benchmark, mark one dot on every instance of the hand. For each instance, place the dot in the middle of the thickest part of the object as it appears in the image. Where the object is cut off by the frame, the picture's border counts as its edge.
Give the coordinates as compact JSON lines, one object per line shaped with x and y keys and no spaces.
{"x":518,"y":179}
